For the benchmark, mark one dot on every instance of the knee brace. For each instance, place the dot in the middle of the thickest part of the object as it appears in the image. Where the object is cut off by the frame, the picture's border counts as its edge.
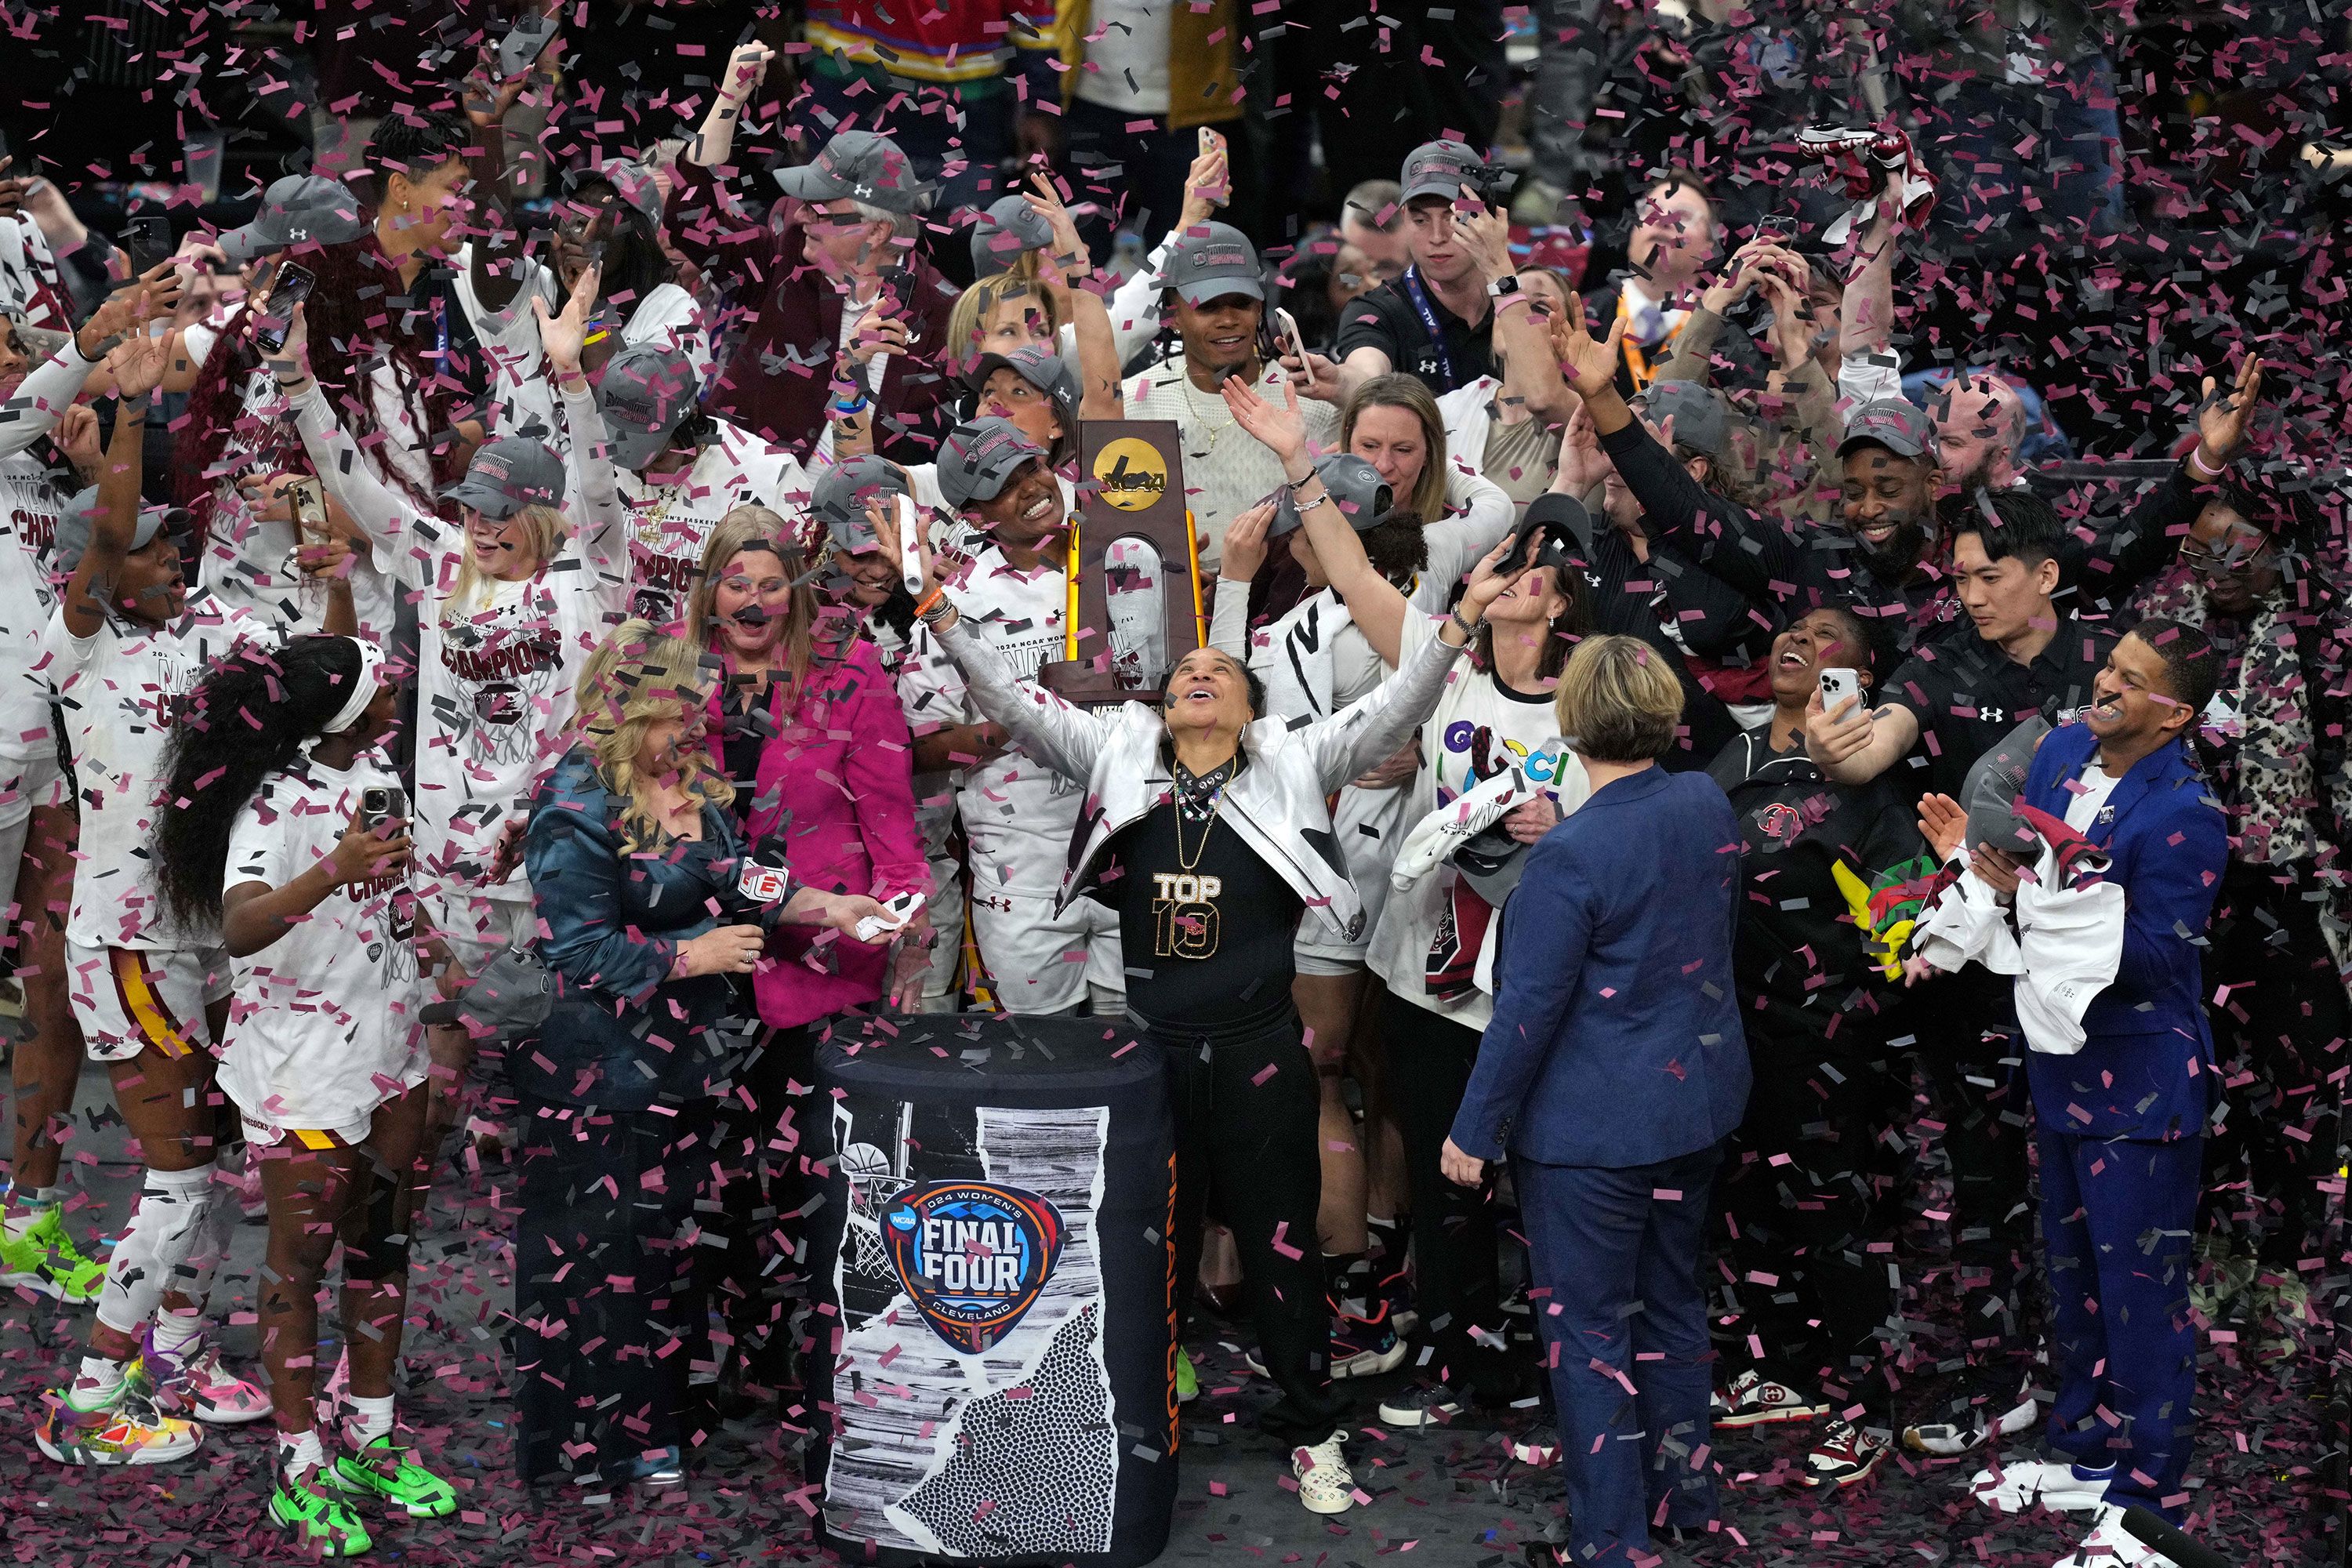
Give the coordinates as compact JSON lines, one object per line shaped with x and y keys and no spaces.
{"x":171,"y":1244}
{"x":384,"y":1253}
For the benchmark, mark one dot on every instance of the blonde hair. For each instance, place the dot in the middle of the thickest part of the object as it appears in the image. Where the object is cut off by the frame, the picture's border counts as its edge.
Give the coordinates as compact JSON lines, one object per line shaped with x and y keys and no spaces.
{"x":543,"y":525}
{"x":1617,"y":702}
{"x":1408,"y":392}
{"x":756,"y":528}
{"x":636,"y":678}
{"x":967,"y":321}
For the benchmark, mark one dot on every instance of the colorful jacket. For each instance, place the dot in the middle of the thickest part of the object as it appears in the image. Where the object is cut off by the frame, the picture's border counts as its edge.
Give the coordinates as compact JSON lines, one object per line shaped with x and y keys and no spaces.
{"x":834,"y":788}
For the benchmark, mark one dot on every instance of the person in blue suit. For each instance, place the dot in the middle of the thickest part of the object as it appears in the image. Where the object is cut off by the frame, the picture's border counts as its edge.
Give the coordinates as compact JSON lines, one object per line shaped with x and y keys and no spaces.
{"x":1612,"y":1071}
{"x":2121,"y":1124}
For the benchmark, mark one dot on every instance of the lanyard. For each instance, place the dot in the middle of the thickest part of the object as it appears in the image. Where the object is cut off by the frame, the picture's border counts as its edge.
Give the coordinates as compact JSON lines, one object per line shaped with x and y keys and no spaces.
{"x":1413,"y":291}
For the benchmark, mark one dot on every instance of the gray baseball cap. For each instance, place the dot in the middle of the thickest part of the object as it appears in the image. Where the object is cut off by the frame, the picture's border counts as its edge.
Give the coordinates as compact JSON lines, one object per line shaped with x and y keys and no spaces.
{"x":507,"y":475}
{"x":1440,"y":169}
{"x":1043,"y":367}
{"x":1702,"y":421}
{"x":1895,"y":422}
{"x":839,"y":497}
{"x":647,"y":390}
{"x":633,"y":181}
{"x":979,"y":458}
{"x":299,"y":209}
{"x":78,"y":521}
{"x":864,"y":166}
{"x":1365,"y":499}
{"x":1211,"y":261}
{"x":1008,"y":227}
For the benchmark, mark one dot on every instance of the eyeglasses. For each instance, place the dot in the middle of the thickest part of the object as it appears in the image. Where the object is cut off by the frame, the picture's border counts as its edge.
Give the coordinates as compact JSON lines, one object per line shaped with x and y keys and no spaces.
{"x":2207,"y":563}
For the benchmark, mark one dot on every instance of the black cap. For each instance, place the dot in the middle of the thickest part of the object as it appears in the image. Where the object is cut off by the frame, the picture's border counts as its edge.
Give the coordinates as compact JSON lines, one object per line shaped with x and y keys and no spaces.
{"x":1563,"y":525}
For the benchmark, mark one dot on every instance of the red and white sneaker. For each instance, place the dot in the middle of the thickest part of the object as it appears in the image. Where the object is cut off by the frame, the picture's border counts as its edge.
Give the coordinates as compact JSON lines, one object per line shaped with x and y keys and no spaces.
{"x":193,"y":1382}
{"x":1845,"y":1455}
{"x":1754,"y":1400}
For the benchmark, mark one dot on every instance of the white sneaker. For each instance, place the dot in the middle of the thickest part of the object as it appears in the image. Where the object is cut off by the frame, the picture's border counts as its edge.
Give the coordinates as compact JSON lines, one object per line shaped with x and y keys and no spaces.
{"x":1754,"y":1400}
{"x":1946,"y":1439}
{"x":1326,"y":1485}
{"x":2110,"y":1545}
{"x":2031,"y":1483}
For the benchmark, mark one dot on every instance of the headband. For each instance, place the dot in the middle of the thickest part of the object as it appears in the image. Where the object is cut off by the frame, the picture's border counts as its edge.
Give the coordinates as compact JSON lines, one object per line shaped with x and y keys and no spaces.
{"x":362,"y":690}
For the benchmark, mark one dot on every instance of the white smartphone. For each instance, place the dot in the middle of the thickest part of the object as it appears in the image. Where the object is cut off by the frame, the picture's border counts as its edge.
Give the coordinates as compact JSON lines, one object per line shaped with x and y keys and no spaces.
{"x":901,"y":910}
{"x":1293,"y":341}
{"x":910,"y":547}
{"x":1837,"y":685}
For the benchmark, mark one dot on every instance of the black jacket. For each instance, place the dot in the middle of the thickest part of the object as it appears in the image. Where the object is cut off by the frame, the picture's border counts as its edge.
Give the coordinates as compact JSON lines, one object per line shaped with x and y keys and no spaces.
{"x":1799,"y":950}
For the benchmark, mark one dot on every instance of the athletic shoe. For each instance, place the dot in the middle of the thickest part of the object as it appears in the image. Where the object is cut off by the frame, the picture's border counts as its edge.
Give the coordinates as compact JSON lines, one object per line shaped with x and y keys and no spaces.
{"x":1326,"y":1485}
{"x":1980,"y":1425}
{"x":2060,"y":1487}
{"x":383,"y":1468}
{"x":1537,"y":1447}
{"x":1188,"y":1380}
{"x":1517,"y":1302}
{"x":1364,"y":1349}
{"x":1846,"y":1454}
{"x":45,"y":1258}
{"x":126,"y":1430}
{"x":2110,"y":1545}
{"x":192,"y":1380}
{"x":1392,"y":1286}
{"x":1423,"y":1404}
{"x":1754,"y":1400}
{"x":319,"y":1524}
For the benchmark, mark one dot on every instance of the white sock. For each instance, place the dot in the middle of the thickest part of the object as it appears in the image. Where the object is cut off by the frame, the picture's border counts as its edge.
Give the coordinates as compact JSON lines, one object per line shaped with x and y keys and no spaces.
{"x":369,"y":1419}
{"x":174,"y":1331}
{"x":26,"y":1207}
{"x":99,"y":1382}
{"x":299,"y":1453}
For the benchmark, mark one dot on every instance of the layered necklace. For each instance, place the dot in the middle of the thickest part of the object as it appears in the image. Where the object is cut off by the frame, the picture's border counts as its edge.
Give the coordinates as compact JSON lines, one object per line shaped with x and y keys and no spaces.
{"x":1199,"y":797}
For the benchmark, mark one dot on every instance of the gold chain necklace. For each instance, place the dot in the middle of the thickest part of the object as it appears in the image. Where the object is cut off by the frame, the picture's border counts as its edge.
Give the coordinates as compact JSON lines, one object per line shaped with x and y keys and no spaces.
{"x":1216,"y":805}
{"x":1193,"y":408}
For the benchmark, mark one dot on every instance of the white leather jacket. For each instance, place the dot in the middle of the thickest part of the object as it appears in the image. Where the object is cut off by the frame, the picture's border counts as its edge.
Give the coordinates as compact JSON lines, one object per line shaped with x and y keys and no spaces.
{"x":1277,"y":804}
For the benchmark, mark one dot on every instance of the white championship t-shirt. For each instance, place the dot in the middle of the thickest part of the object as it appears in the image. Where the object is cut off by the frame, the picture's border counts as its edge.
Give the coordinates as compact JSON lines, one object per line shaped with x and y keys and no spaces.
{"x":121,"y":692}
{"x":671,"y":516}
{"x":323,"y":1026}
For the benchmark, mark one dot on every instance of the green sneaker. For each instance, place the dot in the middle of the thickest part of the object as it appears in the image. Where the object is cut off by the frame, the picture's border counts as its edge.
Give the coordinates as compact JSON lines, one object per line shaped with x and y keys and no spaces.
{"x":1188,"y":1381}
{"x":46,"y":1259}
{"x":317,"y":1522}
{"x":384,"y":1469}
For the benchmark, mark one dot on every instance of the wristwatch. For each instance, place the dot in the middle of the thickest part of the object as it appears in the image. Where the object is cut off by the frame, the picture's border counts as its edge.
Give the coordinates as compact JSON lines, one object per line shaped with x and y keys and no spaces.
{"x":1502,"y":288}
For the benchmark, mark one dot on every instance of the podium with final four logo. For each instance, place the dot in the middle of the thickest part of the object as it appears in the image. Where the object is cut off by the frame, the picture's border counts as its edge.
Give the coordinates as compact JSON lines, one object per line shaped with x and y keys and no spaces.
{"x":995,"y":1277}
{"x":1136,"y":603}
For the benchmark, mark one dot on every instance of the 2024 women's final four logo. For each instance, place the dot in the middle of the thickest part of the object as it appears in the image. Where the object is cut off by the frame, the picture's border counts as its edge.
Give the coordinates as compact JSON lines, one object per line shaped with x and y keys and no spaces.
{"x":973,"y":1255}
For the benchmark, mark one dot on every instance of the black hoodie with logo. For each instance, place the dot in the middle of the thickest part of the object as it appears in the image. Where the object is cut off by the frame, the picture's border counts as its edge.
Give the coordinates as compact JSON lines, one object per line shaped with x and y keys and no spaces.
{"x":1800,"y":948}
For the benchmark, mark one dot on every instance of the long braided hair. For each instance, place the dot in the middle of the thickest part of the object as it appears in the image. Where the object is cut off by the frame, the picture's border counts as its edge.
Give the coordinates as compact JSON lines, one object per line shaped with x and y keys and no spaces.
{"x":354,"y":280}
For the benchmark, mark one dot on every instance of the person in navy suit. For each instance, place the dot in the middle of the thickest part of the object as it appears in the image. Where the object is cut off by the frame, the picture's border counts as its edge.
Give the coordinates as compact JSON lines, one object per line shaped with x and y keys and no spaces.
{"x":2121,"y":1124}
{"x":1612,"y":1071}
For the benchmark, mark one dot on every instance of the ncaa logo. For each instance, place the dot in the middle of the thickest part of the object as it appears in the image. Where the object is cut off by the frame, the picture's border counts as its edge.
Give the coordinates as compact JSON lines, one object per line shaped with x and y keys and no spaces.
{"x":972,"y":1256}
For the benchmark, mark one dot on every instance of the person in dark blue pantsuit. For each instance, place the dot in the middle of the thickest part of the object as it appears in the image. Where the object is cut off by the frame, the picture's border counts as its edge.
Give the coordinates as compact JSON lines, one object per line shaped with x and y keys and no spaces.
{"x":1614,"y":1069}
{"x":2120,"y":1125}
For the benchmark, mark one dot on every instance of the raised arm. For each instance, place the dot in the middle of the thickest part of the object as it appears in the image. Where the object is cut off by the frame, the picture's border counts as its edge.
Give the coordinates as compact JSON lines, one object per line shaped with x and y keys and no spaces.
{"x":2146,"y":539}
{"x":1532,"y":384}
{"x":1853,"y":745}
{"x":1066,"y":738}
{"x":498,"y":267}
{"x":42,"y":398}
{"x":1064,"y":270}
{"x":255,"y":914}
{"x":136,"y":365}
{"x":1369,"y":730}
{"x":602,"y":521}
{"x":1238,"y":561}
{"x":714,"y":144}
{"x":350,"y":479}
{"x":1374,"y":603}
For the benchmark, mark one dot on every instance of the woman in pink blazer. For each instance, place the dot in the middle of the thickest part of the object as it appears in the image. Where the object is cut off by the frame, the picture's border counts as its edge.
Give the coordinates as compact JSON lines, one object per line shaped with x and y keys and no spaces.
{"x":813,"y":738}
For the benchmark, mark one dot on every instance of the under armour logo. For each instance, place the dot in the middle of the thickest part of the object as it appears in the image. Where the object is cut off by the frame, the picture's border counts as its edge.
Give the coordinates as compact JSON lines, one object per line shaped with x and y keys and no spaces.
{"x":863,"y":193}
{"x":1992,"y":715}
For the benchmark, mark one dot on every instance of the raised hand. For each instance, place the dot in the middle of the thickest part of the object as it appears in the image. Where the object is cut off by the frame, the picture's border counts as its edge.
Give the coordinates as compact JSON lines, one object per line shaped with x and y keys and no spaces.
{"x":1492,"y":578}
{"x":1282,"y":431}
{"x":2222,"y":418}
{"x":1944,"y":824}
{"x":1068,"y":260}
{"x":1831,"y":737}
{"x":1739,"y":275}
{"x":137,"y":365}
{"x":77,"y":437}
{"x":565,"y":335}
{"x":1243,"y":551}
{"x":747,"y":67}
{"x":1591,"y":366}
{"x":1487,"y":235}
{"x":363,"y":853}
{"x":1207,"y":186}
